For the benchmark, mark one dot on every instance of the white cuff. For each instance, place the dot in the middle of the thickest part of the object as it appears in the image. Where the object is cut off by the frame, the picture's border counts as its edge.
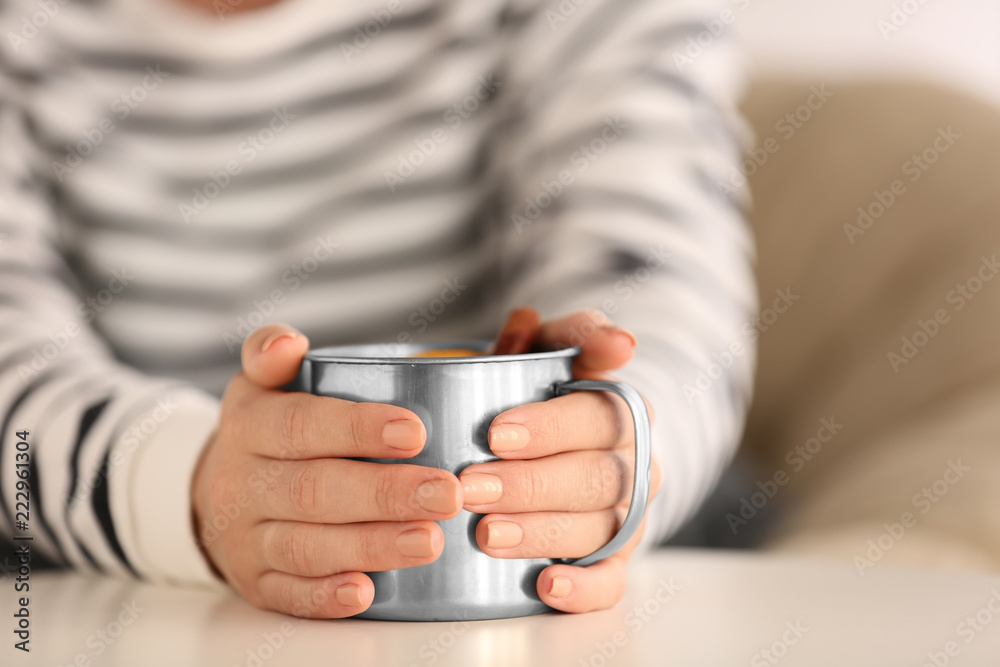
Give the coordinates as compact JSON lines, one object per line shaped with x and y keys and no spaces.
{"x":151,"y":500}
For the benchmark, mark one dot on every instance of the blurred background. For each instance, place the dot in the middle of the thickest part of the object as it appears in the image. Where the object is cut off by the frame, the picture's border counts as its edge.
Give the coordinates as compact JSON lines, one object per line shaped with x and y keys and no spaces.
{"x":948,"y":41}
{"x":951,"y":44}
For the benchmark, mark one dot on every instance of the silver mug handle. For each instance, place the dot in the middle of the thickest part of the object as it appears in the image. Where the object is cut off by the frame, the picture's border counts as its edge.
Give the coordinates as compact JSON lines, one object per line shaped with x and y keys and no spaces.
{"x":643,"y":464}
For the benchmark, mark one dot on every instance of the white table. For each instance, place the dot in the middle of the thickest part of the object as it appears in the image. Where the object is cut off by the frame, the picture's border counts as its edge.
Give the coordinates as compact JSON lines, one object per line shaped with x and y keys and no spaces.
{"x":725,"y":609}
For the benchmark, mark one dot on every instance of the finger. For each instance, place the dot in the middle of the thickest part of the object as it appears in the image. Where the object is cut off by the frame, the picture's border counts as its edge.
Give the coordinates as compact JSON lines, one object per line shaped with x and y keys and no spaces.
{"x":603,"y":346}
{"x":547,"y":534}
{"x":518,"y":333}
{"x":272,"y":355}
{"x":569,"y":482}
{"x":602,"y":585}
{"x":319,"y":550}
{"x":579,"y":420}
{"x":581,"y":589}
{"x":336,"y":596}
{"x":295,"y":425}
{"x":344,"y":491}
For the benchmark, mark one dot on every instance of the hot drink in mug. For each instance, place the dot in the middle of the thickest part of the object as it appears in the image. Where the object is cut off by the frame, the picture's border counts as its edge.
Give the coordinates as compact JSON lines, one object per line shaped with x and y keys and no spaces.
{"x":457,"y":389}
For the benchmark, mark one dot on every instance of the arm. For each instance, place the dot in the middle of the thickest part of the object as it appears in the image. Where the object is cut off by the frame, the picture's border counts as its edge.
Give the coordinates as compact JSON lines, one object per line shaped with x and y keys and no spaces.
{"x":112,"y":452}
{"x":615,"y":150}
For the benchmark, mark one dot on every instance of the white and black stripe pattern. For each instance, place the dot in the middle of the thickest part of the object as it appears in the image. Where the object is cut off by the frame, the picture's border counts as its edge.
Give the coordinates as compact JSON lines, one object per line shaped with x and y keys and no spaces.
{"x":322,"y":211}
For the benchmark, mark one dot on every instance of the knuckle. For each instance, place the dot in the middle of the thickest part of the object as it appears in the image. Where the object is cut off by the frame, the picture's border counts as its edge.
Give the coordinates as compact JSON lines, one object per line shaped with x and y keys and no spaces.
{"x":300,"y":601}
{"x":270,"y":544}
{"x":317,"y":601}
{"x":293,"y":428}
{"x":536,"y":485}
{"x":357,"y":424}
{"x":610,"y":473}
{"x":620,"y":419}
{"x":384,"y":494}
{"x":545,"y":426}
{"x":290,"y":602}
{"x":366,"y":549}
{"x":300,"y":551}
{"x":549,"y":536}
{"x":267,"y":478}
{"x":303,"y":489}
{"x":537,"y":542}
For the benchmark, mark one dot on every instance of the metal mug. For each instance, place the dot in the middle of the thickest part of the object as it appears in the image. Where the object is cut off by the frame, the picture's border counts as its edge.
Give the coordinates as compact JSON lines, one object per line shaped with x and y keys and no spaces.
{"x":457,"y":398}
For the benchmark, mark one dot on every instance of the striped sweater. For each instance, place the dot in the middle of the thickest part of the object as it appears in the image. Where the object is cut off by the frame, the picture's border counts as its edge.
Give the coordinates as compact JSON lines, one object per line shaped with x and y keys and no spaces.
{"x":366,"y":170}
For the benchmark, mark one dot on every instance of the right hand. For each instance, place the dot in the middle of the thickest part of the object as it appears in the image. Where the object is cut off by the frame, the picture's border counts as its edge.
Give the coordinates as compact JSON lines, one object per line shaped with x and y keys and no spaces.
{"x":293,"y":523}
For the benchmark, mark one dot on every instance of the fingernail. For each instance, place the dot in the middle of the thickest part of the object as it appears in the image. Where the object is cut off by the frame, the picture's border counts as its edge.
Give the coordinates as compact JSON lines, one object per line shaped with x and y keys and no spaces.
{"x":276,"y":336}
{"x":438,"y":496}
{"x":626,"y":335}
{"x":481,"y":488}
{"x":405,"y":434}
{"x":418,"y":543}
{"x":349,"y":595}
{"x":560,"y":587}
{"x":503,"y":535}
{"x":508,"y":437}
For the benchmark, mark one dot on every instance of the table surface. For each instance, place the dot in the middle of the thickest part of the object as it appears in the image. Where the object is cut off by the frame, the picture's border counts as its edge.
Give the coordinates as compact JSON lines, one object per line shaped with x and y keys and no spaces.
{"x":684,"y":607}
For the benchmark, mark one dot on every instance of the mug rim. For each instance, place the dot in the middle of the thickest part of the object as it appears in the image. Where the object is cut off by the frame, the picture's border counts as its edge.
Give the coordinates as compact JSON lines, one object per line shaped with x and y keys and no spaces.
{"x":341,"y":353}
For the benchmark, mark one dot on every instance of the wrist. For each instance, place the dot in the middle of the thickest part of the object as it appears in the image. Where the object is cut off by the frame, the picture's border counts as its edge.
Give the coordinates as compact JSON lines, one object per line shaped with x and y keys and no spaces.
{"x":154,"y":491}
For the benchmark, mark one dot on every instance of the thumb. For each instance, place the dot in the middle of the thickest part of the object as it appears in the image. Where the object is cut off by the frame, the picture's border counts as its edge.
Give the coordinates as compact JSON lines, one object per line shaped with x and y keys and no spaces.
{"x":272,"y":355}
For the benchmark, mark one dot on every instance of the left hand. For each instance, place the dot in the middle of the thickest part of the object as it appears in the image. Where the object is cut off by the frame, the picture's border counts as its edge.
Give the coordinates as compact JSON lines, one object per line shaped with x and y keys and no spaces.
{"x":563,"y":487}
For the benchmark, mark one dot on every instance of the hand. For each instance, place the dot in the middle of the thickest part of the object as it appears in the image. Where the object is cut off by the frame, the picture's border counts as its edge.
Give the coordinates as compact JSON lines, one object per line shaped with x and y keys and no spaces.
{"x":288,"y":521}
{"x":563,"y":488}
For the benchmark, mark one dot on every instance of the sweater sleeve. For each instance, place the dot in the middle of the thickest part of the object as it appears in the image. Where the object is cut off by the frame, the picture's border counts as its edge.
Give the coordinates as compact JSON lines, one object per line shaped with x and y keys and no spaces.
{"x":110,"y":452}
{"x":618,"y":163}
